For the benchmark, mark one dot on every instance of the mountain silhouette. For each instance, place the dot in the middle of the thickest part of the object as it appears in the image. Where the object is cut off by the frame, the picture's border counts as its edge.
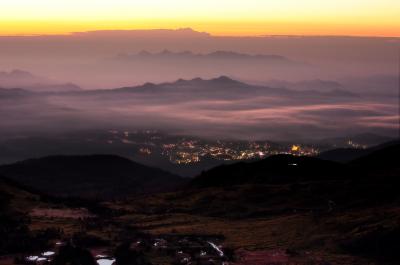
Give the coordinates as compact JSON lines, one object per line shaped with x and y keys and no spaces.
{"x":219,"y":87}
{"x":216,"y":55}
{"x":92,"y":176}
{"x":280,"y":169}
{"x":349,"y":154}
{"x":385,"y":158}
{"x":274,"y":169}
{"x":28,"y":81}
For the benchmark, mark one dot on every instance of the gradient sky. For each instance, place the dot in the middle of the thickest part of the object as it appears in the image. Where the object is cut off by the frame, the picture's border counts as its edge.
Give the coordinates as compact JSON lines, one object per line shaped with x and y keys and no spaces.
{"x":218,"y":17}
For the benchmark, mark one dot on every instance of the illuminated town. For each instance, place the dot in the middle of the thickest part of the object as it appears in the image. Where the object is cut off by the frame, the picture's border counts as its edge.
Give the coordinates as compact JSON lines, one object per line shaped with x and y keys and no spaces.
{"x":189,"y":150}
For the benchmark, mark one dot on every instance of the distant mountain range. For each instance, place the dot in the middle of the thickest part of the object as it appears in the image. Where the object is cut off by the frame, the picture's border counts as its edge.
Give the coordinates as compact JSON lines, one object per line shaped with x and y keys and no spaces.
{"x":275,"y":112}
{"x":316,"y":84}
{"x":221,"y":86}
{"x":94,"y":176}
{"x":26,"y":80}
{"x":224,"y":84}
{"x":146,"y":33}
{"x":14,"y":92}
{"x":188,"y":55}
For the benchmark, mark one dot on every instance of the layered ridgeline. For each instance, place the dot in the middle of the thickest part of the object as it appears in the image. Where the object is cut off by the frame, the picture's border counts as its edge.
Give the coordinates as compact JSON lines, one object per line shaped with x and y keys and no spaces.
{"x":220,"y":86}
{"x":221,"y":108}
{"x":192,"y":88}
{"x":93,"y":176}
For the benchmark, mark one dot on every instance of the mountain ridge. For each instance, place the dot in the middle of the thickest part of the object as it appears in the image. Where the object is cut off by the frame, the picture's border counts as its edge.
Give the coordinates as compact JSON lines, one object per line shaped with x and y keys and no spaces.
{"x":280,"y":169}
{"x":26,"y":80}
{"x":218,"y":54}
{"x":215,"y":84}
{"x":89,"y":176}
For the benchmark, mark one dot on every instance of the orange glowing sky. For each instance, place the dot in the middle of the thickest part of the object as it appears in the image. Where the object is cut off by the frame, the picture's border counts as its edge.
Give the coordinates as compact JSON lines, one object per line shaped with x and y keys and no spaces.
{"x":218,"y":17}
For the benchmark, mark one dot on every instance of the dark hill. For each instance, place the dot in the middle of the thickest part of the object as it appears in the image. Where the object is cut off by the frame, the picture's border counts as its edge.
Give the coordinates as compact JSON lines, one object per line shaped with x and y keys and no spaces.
{"x":274,"y":169}
{"x":287,"y":182}
{"x":383,"y":158}
{"x":349,"y":154}
{"x":343,"y":154}
{"x":89,"y":176}
{"x":287,"y":169}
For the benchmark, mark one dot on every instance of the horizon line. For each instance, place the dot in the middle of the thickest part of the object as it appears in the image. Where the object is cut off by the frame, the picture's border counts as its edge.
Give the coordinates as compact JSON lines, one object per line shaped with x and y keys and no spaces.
{"x":72,"y":33}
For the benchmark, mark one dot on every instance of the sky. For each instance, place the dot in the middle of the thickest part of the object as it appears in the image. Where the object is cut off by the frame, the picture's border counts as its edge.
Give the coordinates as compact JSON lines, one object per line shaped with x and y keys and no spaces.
{"x":217,"y":17}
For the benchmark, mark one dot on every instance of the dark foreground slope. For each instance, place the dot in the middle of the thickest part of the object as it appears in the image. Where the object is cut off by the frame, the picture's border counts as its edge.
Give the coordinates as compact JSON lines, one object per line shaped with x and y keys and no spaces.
{"x":15,"y":233}
{"x":94,"y":176}
{"x":321,"y":212}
